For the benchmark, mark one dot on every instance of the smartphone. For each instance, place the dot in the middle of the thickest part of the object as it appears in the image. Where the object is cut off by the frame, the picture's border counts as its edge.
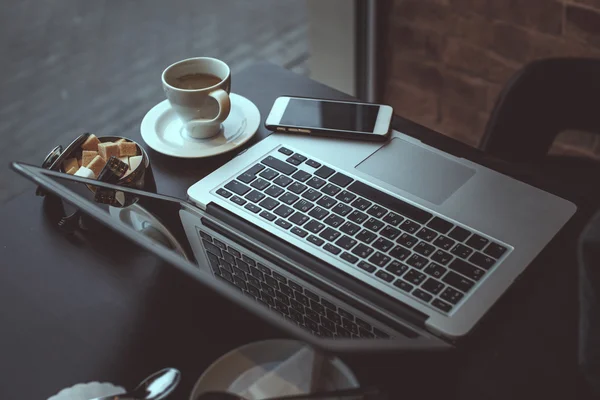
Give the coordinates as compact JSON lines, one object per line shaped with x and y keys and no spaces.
{"x":333,"y":118}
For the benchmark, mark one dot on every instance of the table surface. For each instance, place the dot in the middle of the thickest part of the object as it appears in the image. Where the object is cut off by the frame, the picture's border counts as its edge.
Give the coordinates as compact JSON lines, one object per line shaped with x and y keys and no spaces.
{"x":79,"y":309}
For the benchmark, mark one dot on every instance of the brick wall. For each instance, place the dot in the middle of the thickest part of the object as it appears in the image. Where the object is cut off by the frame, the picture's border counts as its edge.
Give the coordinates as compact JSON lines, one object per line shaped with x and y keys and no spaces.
{"x":447,"y":60}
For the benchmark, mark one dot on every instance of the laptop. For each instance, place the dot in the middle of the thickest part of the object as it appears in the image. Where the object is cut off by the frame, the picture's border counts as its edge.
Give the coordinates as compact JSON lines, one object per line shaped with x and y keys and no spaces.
{"x":301,"y":296}
{"x":409,"y":229}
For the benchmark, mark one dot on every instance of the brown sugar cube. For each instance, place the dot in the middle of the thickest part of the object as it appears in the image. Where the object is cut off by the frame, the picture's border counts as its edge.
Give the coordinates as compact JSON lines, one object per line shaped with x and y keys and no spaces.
{"x":120,"y":141}
{"x":91,"y":143}
{"x":96,"y":165}
{"x":108,"y":149}
{"x":72,"y":170}
{"x":79,"y":162}
{"x":70,"y":163}
{"x":127,"y":149}
{"x":87,"y":156}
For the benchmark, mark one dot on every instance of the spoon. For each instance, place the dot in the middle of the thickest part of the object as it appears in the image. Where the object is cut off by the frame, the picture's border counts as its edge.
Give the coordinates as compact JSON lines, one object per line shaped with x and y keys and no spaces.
{"x":365,"y":392}
{"x":155,"y":387}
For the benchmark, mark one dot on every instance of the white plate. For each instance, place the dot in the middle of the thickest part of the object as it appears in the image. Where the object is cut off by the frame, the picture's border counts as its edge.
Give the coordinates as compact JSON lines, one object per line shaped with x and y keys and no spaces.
{"x":240,"y":368}
{"x":163,"y":131}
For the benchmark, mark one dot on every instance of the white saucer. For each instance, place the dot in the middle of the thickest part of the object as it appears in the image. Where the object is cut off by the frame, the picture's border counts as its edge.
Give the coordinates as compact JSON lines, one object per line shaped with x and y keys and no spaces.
{"x":163,"y":131}
{"x":240,"y":368}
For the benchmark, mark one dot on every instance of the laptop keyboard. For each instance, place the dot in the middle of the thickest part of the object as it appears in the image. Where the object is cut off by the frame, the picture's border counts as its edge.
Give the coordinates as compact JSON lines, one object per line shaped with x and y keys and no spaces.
{"x":288,"y":298}
{"x":408,"y":248}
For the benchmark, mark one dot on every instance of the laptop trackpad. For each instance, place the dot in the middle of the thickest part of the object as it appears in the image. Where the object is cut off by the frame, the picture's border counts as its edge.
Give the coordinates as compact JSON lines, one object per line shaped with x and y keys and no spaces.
{"x":414,"y":169}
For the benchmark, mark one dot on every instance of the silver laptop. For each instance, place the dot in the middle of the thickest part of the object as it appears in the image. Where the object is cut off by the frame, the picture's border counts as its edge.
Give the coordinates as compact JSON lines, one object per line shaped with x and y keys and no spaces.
{"x":411,"y":227}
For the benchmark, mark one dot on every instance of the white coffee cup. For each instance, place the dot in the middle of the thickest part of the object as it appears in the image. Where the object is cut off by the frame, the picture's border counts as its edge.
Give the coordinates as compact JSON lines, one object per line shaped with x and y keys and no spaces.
{"x":198,"y":91}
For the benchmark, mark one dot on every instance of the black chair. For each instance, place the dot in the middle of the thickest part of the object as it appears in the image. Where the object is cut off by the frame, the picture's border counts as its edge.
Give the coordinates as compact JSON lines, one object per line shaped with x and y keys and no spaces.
{"x":543,"y":99}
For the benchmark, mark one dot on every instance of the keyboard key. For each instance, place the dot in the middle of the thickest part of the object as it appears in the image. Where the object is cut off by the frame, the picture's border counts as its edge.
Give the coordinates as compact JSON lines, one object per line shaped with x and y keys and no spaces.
{"x":299,"y":157}
{"x":285,"y":151}
{"x":250,"y":174}
{"x":435,"y":270}
{"x":459,"y":233}
{"x":340,"y":179}
{"x":324,"y":172}
{"x":238,"y":188}
{"x":343,"y":333}
{"x":426,"y":234}
{"x":390,"y":202}
{"x":357,"y":216}
{"x":466,"y":269}
{"x":302,"y":299}
{"x":433,"y":286}
{"x":329,"y":234}
{"x":318,"y":213}
{"x":405,"y":286}
{"x":400,"y":253}
{"x":301,"y":176}
{"x":363,"y":251}
{"x":326,"y":202}
{"x":382,"y":244}
{"x":274,"y":191}
{"x":495,"y":250}
{"x":295,"y":286}
{"x":331,"y":248}
{"x":282,"y":181}
{"x":260,"y":184}
{"x":269,"y":291}
{"x":397,"y":268}
{"x":424,"y":249}
{"x":271,"y":282}
{"x":437,"y":303}
{"x":279,"y":165}
{"x":390,"y":232}
{"x":477,"y":242}
{"x":330,"y":189}
{"x":313,"y":163}
{"x":417,"y":261}
{"x":393,"y":219}
{"x":444,"y":243}
{"x":451,"y":295}
{"x":346,"y":242}
{"x":414,"y":276}
{"x":441,"y":256}
{"x":366,"y":266}
{"x":315,"y":240}
{"x":384,"y":276}
{"x":334,"y":221}
{"x":315,"y":182}
{"x":283,"y":211}
{"x":345,"y":314}
{"x":269,"y":203}
{"x":314,"y":226}
{"x":311,"y":194}
{"x":350,"y":228}
{"x":220,"y":244}
{"x":268,"y":216}
{"x":255,"y":272}
{"x":311,"y":295}
{"x":283,"y":223}
{"x":341,"y":209}
{"x":310,"y":324}
{"x":252,"y":208}
{"x":461,"y":251}
{"x":363,"y":324}
{"x":298,"y":218}
{"x":226,"y":265}
{"x":361,"y":204}
{"x":409,"y":226}
{"x":349,"y":258}
{"x":457,"y":281}
{"x":303,"y":205}
{"x":253,"y":290}
{"x":299,"y":232}
{"x":223,"y":193}
{"x":255,"y":196}
{"x":294,"y":161}
{"x":365,"y":333}
{"x":380,"y":259}
{"x":481,"y":260}
{"x":281,"y":307}
{"x":288,"y":198}
{"x":440,"y":225}
{"x":318,"y":308}
{"x":377,"y":211}
{"x":419,"y":294}
{"x":349,"y":325}
{"x":297,"y":187}
{"x":345,"y":196}
{"x":373,"y":224}
{"x":296,"y":305}
{"x":269,"y":174}
{"x":228,"y":257}
{"x":206,"y":236}
{"x":243,"y":266}
{"x":365,"y":236}
{"x":334,"y":317}
{"x":407,"y":240}
{"x":329,"y":324}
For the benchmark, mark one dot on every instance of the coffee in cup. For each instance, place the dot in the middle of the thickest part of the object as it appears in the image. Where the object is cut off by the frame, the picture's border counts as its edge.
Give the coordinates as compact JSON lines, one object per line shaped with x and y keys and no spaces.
{"x":198,"y":91}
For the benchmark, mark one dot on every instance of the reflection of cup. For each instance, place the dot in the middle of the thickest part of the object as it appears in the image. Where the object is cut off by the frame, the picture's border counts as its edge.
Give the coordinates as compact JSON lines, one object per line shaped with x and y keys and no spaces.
{"x":198,"y":91}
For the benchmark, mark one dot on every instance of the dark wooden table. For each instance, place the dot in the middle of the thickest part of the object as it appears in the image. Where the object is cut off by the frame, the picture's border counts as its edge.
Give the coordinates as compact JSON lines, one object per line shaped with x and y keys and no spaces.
{"x":77,"y":310}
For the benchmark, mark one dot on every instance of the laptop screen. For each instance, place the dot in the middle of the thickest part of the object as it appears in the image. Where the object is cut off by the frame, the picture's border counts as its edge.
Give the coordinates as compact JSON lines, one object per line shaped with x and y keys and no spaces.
{"x":231,"y":262}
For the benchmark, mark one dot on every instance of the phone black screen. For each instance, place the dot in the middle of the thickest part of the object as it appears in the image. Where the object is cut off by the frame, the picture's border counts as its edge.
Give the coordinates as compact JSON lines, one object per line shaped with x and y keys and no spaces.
{"x":309,"y":113}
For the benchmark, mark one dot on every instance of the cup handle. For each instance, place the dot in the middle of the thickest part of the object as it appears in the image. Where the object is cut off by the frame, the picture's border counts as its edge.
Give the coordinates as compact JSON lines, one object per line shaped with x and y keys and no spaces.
{"x":222,"y":97}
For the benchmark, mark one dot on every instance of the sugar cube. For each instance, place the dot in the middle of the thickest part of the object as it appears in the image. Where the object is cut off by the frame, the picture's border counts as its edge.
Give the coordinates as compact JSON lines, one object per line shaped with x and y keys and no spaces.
{"x":72,"y":170}
{"x":85,"y":172}
{"x":127,"y":149}
{"x":96,"y":165}
{"x":87,"y":156}
{"x":108,"y":149}
{"x":91,"y":143}
{"x":70,"y":163}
